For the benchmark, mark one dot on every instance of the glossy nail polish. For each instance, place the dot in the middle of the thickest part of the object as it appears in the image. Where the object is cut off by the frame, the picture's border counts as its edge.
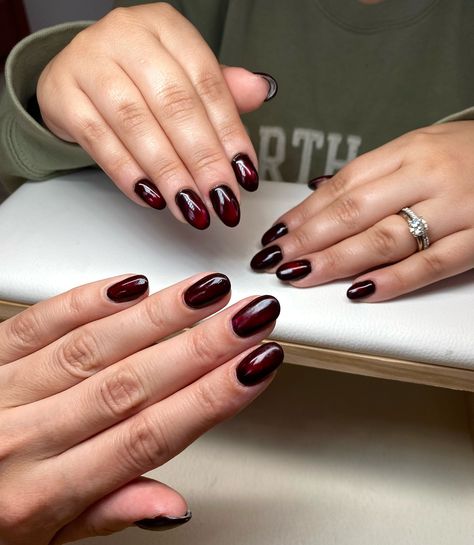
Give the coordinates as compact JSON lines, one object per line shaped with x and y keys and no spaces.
{"x":245,"y":172}
{"x":159,"y":524}
{"x":360,"y":290}
{"x":316,"y":182}
{"x":193,"y":209}
{"x":207,"y":291}
{"x":272,"y":85}
{"x":266,"y":258}
{"x":226,"y":205}
{"x":255,"y":316}
{"x":148,"y":192}
{"x":260,"y":363}
{"x":129,"y":289}
{"x":294,"y":270}
{"x":277,"y":231}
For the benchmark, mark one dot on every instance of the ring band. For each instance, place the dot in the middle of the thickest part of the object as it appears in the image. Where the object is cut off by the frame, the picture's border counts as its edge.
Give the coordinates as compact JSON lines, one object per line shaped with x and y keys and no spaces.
{"x":418,"y":228}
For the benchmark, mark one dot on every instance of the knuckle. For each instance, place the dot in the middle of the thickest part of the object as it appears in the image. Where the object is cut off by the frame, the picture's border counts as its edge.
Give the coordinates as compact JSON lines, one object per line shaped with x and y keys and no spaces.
{"x":230,"y":132}
{"x":92,"y":131}
{"x":301,"y":240}
{"x":383,"y":241}
{"x":24,"y":330}
{"x":176,"y":103}
{"x":346,"y":211}
{"x":166,"y":169}
{"x":210,"y":86}
{"x":206,"y":158}
{"x":131,"y":116}
{"x":201,"y":348}
{"x":211,"y":403}
{"x":338,"y":185}
{"x":147,"y":445}
{"x":122,"y":393}
{"x":154,"y":315}
{"x":434,"y":264}
{"x":79,"y":354}
{"x":76,"y":303}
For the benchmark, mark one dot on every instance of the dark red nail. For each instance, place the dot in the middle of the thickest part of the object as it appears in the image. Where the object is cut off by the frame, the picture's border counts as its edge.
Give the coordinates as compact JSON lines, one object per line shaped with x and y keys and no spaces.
{"x":245,"y":172}
{"x":148,"y":192}
{"x":207,"y":291}
{"x":129,"y":289}
{"x":260,"y":363}
{"x":255,"y":316}
{"x":266,"y":258}
{"x":316,"y":182}
{"x":361,"y":289}
{"x":226,"y":205}
{"x":272,"y":84}
{"x":273,"y":233}
{"x":193,"y":209}
{"x":161,"y":523}
{"x":294,"y":270}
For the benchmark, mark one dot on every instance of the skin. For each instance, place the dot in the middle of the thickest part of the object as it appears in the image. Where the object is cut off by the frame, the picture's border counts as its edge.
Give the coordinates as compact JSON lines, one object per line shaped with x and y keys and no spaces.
{"x":90,"y":402}
{"x":136,"y":87}
{"x":350,"y":225}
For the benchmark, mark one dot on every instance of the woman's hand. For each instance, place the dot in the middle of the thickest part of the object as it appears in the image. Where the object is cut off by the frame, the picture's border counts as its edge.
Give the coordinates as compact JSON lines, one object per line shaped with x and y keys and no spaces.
{"x":143,"y":94}
{"x":89,"y":402}
{"x":351,"y":225}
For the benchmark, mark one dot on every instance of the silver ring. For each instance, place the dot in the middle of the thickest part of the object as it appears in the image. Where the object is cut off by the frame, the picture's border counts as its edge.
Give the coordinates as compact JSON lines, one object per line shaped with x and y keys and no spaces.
{"x":418,"y":228}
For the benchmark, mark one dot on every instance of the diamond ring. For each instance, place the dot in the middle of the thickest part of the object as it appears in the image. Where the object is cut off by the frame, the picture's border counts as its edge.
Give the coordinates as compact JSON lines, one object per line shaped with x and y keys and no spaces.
{"x":417,"y":226}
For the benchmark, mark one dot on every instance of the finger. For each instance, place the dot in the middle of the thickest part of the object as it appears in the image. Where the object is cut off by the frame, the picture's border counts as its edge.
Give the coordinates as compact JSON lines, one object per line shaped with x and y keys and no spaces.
{"x":151,"y":375}
{"x":92,"y":132}
{"x":93,"y":347}
{"x":347,"y":216}
{"x":388,"y":241}
{"x":49,"y":320}
{"x":138,"y":500}
{"x":447,"y":257}
{"x":382,"y":162}
{"x":248,"y":90}
{"x":160,"y":432}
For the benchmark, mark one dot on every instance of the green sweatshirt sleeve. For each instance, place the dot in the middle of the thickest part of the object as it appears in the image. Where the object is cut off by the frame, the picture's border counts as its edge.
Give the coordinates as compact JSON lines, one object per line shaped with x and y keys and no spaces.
{"x":28,"y":150}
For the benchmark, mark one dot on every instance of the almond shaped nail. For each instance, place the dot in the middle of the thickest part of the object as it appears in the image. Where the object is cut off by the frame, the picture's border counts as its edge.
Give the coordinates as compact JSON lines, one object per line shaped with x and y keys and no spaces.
{"x":245,"y":172}
{"x":207,"y":291}
{"x":266,"y":258}
{"x":256,"y":315}
{"x":276,"y":231}
{"x":294,"y":270}
{"x":193,"y":209}
{"x":259,"y":364}
{"x":129,"y":289}
{"x":226,"y":205}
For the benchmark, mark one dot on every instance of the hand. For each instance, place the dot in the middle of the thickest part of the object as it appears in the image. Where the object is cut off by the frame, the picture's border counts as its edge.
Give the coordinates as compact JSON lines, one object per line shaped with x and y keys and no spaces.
{"x":350,"y":225}
{"x":143,"y":94}
{"x":89,"y":402}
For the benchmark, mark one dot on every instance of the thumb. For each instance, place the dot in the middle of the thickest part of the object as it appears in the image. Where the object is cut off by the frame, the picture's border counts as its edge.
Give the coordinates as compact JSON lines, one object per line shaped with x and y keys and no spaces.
{"x":149,"y":504}
{"x":249,"y":90}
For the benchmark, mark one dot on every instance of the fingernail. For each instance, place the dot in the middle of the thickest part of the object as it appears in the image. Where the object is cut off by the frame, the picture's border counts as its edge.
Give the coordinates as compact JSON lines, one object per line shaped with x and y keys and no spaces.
{"x":361,"y":289}
{"x":316,"y":182}
{"x":193,"y":209}
{"x":266,"y":258}
{"x":226,"y":205}
{"x":260,"y":363}
{"x":294,"y":270}
{"x":129,"y":289}
{"x":207,"y":291}
{"x":148,"y":192}
{"x":273,"y":233}
{"x":255,"y":316}
{"x":161,"y":523}
{"x":272,"y":84}
{"x":245,"y":172}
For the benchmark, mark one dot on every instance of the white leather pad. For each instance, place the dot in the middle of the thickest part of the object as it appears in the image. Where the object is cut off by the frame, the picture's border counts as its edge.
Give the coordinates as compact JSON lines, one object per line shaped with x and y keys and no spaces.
{"x":79,"y":228}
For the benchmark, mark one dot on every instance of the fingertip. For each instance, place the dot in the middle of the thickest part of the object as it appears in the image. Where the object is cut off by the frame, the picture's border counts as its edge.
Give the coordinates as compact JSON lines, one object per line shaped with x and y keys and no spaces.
{"x":248,"y":90}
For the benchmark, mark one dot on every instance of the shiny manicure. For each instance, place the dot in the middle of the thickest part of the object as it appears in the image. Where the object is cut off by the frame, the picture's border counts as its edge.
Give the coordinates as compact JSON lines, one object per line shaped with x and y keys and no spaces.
{"x":162,"y":523}
{"x":193,"y":209}
{"x":277,"y":231}
{"x":255,"y":316}
{"x":129,"y":289}
{"x":360,"y":290}
{"x":294,"y":270}
{"x":260,"y":363}
{"x":266,"y":258}
{"x":316,"y":182}
{"x":226,"y":205}
{"x":245,"y":172}
{"x":272,"y":85}
{"x":207,"y":291}
{"x":148,"y":192}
